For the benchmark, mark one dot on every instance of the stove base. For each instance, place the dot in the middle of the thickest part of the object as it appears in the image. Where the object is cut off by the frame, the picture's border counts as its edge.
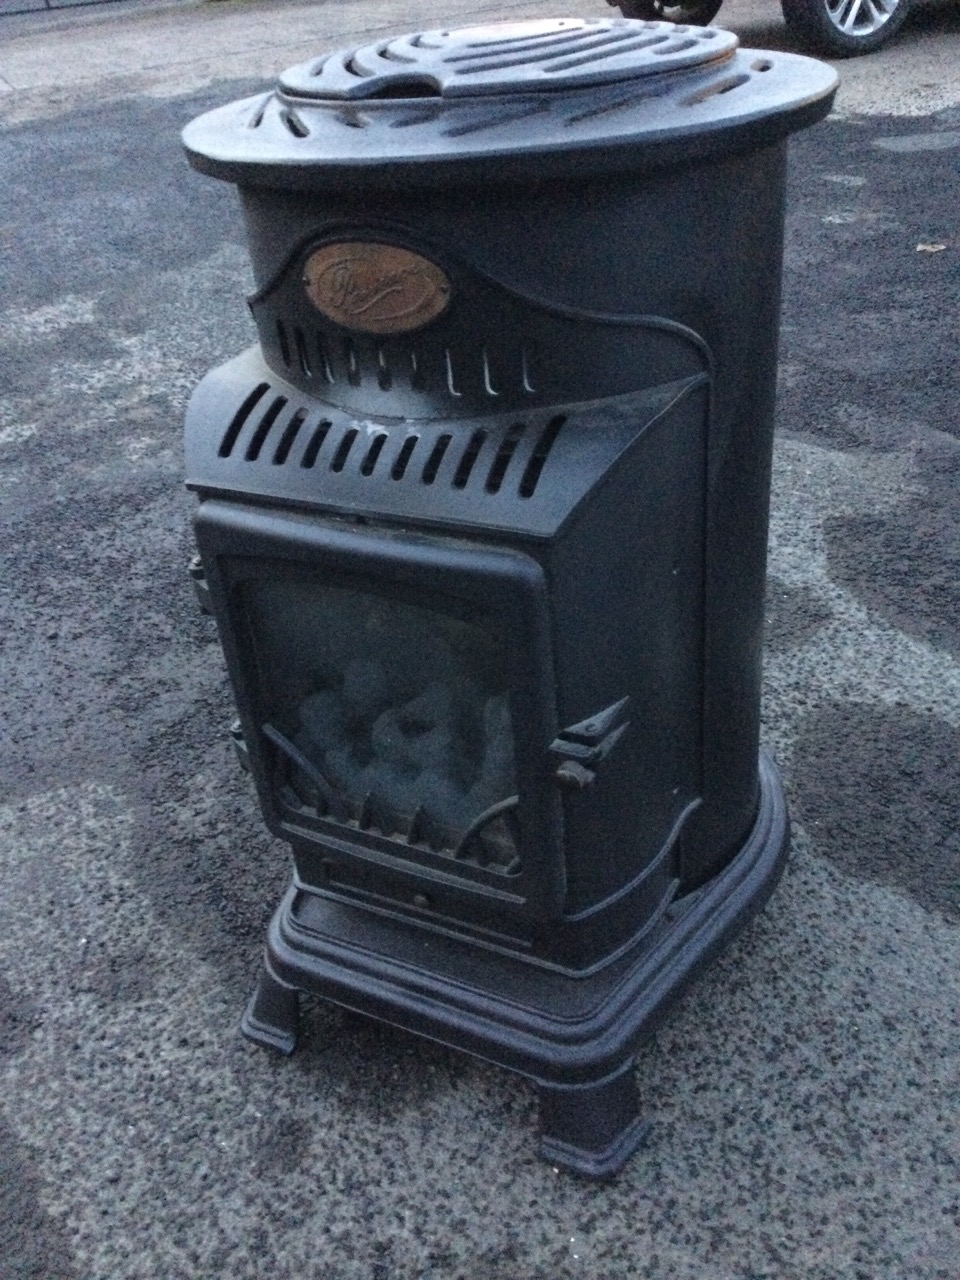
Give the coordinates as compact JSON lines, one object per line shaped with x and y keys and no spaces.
{"x":574,"y":1034}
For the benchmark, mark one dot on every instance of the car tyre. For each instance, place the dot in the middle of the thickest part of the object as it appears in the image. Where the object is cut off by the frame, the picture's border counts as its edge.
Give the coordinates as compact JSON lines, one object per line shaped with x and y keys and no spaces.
{"x":698,"y":13}
{"x":845,"y":28}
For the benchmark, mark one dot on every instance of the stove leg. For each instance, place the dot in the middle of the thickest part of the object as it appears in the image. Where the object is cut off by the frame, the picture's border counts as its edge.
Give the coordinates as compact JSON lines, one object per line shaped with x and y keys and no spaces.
{"x":272,"y":1017}
{"x":592,"y":1128}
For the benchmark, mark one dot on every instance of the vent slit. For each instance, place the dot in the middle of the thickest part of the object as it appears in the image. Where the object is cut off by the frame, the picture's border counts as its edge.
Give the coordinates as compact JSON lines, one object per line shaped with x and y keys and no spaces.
{"x":506,"y":451}
{"x":303,"y":355}
{"x":421,"y":115}
{"x":324,"y":359}
{"x":626,"y":46}
{"x":373,"y":453}
{"x":534,"y":49}
{"x":715,"y":89}
{"x":256,"y":120}
{"x":284,"y":342}
{"x":239,"y":418}
{"x":353,"y":363}
{"x":399,"y":467}
{"x":525,"y":373}
{"x":466,"y":463}
{"x":384,"y":376}
{"x":488,"y":120}
{"x":294,"y":124}
{"x":417,"y":379}
{"x":606,"y":45}
{"x":436,"y":457}
{"x":534,"y":468}
{"x":487,"y":377}
{"x":352,"y":118}
{"x":391,"y":55}
{"x":677,"y":47}
{"x":290,"y":433}
{"x":451,"y":380}
{"x":343,"y":450}
{"x":316,"y":443}
{"x":605,"y":108}
{"x":532,"y":43}
{"x":263,"y":428}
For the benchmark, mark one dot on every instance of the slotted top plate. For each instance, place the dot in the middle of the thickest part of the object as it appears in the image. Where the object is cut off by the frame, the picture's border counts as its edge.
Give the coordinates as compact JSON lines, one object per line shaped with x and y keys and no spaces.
{"x":508,"y":57}
{"x":590,"y":96}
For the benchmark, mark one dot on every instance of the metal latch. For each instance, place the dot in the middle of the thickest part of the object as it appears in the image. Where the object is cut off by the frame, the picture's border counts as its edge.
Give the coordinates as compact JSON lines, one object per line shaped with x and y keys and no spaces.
{"x":582,"y":746}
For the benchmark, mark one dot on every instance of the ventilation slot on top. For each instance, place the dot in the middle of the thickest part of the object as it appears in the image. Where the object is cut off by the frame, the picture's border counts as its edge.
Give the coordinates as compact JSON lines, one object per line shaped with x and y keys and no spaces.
{"x":506,"y":451}
{"x":391,"y":55}
{"x":534,"y":468}
{"x":406,"y":86}
{"x":316,"y":443}
{"x":239,"y":418}
{"x":677,"y":47}
{"x":256,"y":120}
{"x":494,"y":118}
{"x":715,"y":89}
{"x":523,"y":52}
{"x":623,"y":46}
{"x":352,"y":118}
{"x":294,"y":124}
{"x":419,"y":115}
{"x":533,"y":41}
{"x":263,"y":428}
{"x":620,"y":103}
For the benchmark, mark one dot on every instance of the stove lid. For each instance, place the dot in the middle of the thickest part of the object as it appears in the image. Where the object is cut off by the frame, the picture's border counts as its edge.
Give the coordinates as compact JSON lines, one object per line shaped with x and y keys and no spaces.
{"x":509,"y":57}
{"x":511,"y":102}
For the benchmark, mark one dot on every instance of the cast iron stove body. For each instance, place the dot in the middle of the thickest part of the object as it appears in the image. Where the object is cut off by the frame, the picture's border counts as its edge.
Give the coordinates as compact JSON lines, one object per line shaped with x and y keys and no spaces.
{"x":483,"y":525}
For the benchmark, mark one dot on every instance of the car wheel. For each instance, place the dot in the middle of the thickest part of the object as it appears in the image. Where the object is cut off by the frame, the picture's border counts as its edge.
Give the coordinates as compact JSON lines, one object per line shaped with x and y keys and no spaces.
{"x":844,"y":28}
{"x":697,"y":13}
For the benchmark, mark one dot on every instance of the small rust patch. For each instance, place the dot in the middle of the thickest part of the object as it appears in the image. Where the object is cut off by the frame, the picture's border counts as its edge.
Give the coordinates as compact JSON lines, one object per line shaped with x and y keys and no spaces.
{"x":375,"y":288}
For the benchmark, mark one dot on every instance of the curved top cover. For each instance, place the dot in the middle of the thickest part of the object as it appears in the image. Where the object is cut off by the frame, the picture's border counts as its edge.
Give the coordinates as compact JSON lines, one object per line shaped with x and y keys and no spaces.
{"x":584,"y":96}
{"x":508,"y":57}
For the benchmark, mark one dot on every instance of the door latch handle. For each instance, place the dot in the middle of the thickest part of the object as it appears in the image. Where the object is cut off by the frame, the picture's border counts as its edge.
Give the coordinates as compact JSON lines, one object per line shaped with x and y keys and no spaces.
{"x":582,"y":746}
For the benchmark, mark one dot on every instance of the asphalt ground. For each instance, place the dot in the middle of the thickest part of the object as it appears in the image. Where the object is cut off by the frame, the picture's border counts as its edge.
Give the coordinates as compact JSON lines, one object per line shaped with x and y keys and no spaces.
{"x":805,"y":1094}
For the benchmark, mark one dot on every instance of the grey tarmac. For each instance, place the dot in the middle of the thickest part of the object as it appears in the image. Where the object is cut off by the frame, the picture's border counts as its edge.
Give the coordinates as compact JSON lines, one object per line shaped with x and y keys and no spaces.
{"x":805,"y":1093}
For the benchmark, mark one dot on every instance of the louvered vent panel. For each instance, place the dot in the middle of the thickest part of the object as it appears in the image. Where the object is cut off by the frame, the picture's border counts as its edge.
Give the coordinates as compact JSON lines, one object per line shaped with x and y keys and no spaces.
{"x":507,"y":457}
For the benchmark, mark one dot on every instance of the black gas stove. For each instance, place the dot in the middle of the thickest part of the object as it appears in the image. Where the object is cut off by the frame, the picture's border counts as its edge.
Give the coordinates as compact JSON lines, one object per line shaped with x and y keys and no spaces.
{"x":483,"y":526}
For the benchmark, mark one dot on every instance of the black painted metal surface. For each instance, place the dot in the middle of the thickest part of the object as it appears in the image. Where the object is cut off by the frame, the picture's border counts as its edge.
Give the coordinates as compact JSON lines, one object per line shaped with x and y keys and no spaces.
{"x":490,"y":104}
{"x":554,"y":443}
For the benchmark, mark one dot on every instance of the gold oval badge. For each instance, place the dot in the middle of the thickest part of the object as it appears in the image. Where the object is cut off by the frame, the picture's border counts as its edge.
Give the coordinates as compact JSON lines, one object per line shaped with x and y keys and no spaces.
{"x":375,"y":288}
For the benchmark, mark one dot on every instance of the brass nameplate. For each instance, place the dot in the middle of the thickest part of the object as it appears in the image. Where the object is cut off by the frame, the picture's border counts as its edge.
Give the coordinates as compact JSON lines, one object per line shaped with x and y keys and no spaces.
{"x":375,"y":288}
